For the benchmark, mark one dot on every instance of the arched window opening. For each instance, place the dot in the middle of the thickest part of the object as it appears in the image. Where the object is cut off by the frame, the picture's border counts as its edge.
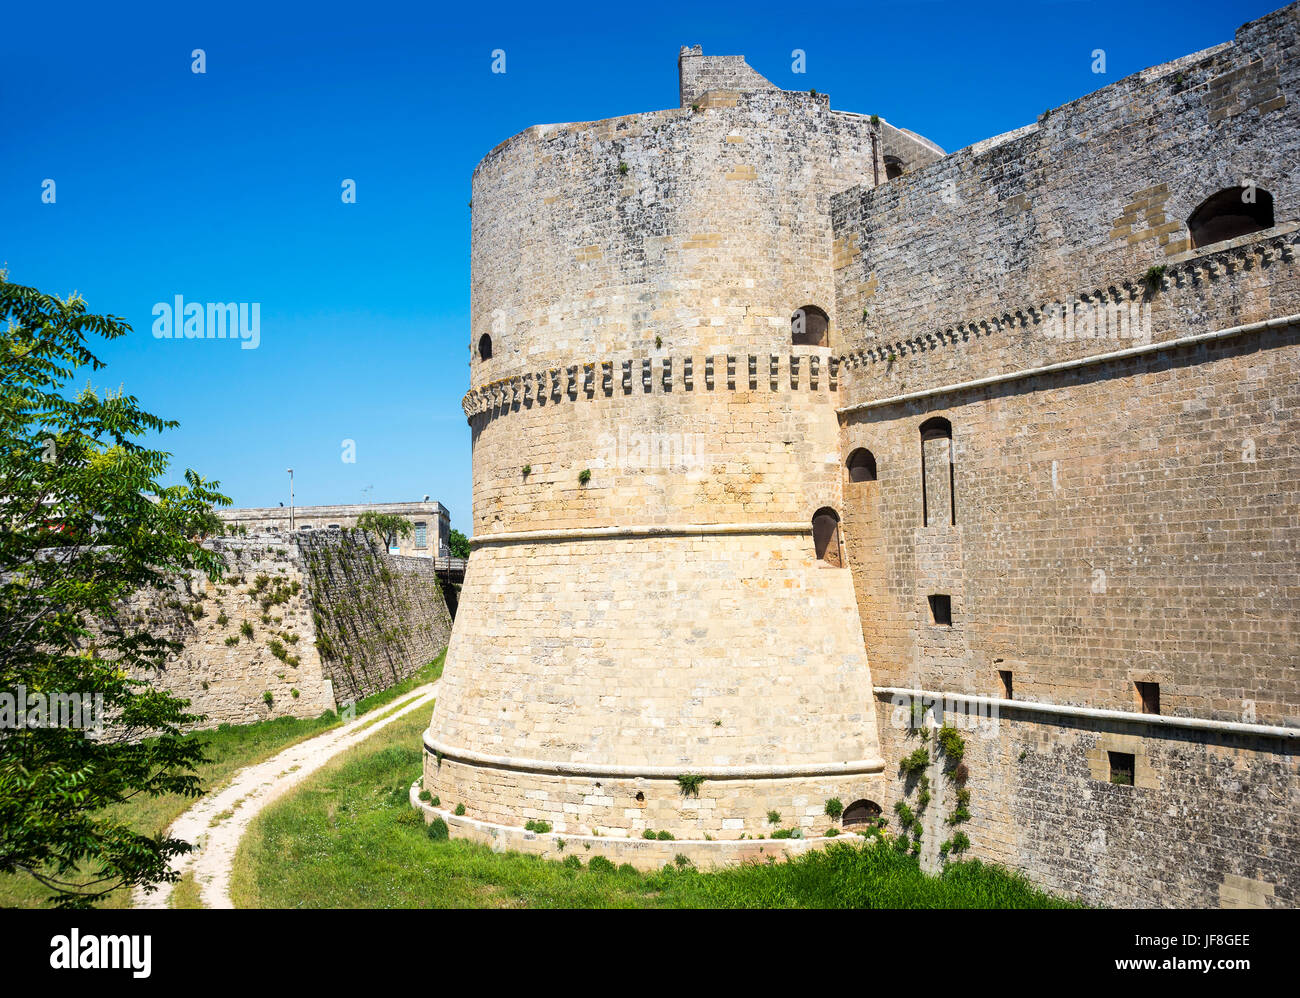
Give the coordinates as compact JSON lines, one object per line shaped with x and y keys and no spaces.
{"x":893,"y":167}
{"x":808,"y":327}
{"x":1233,"y":212}
{"x":938,"y":481}
{"x":485,"y":347}
{"x":862,"y":466}
{"x":861,"y":812}
{"x":826,"y":537}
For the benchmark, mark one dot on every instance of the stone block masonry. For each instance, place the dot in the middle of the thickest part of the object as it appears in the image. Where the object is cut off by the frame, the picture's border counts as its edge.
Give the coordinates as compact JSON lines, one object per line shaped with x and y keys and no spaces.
{"x":1038,"y":396}
{"x":292,"y":630}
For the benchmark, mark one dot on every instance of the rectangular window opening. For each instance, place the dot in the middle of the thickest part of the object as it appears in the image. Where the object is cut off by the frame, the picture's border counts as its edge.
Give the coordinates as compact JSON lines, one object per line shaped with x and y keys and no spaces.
{"x":421,"y":534}
{"x":1148,"y":697}
{"x":941,"y":609}
{"x":1007,"y":689}
{"x":1121,"y":768}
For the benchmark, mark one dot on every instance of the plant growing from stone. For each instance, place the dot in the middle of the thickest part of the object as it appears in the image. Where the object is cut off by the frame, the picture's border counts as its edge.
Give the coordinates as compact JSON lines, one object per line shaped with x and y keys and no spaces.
{"x":584,"y":476}
{"x":834,"y":808}
{"x":690,"y":784}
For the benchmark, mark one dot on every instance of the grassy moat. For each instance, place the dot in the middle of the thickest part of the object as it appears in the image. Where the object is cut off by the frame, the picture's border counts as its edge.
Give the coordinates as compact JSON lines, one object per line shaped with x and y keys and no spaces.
{"x":348,"y":838}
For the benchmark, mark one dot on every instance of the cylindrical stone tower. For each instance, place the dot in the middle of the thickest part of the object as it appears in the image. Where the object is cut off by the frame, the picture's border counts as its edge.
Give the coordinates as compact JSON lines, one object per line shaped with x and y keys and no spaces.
{"x":647,"y":598}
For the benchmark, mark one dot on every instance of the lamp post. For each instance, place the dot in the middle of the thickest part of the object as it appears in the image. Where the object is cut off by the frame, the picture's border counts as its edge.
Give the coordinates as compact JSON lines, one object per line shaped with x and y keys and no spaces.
{"x":291,"y":500}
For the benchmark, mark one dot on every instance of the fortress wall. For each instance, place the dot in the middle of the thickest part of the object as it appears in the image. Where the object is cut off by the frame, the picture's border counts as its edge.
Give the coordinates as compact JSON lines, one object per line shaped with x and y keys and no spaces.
{"x":690,"y":654}
{"x":682,"y":440}
{"x":345,"y":626}
{"x":954,"y":263}
{"x":378,"y":618}
{"x":712,"y":238}
{"x":631,"y":649}
{"x":1131,"y":521}
{"x":228,"y":682}
{"x":1209,"y":823}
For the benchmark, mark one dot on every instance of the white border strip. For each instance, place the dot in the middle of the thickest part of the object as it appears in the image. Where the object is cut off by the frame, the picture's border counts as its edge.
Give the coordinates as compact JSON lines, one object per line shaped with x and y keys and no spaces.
{"x":1068,"y":365}
{"x":1102,"y":714}
{"x":683,"y":530}
{"x":655,"y":772}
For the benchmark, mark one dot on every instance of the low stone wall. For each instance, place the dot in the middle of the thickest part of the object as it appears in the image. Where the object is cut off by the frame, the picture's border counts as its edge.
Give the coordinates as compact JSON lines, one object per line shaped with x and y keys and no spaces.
{"x":644,"y":854}
{"x":1210,"y":820}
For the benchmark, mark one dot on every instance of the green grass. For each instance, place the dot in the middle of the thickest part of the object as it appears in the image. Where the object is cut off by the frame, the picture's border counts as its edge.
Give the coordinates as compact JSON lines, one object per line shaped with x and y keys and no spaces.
{"x":228,"y":748}
{"x":348,"y":838}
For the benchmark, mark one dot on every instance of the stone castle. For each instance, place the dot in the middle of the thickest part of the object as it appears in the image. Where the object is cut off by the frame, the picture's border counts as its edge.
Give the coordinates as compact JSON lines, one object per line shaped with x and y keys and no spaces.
{"x":791,"y":431}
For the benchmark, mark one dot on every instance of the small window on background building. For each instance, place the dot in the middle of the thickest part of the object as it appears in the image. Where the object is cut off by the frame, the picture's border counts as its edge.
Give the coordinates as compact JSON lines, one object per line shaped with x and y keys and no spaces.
{"x":1004,"y":675}
{"x":941,"y":609}
{"x":304,"y":526}
{"x":485,"y":347}
{"x":335,"y":526}
{"x":826,"y":537}
{"x":1148,"y":697}
{"x":1121,"y":768}
{"x":421,"y":534}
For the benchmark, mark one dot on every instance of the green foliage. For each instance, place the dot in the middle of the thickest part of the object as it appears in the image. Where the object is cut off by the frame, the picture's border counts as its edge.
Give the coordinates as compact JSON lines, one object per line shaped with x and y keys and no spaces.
{"x":88,"y":524}
{"x":426,"y":796}
{"x":346,"y":840}
{"x":460,"y":811}
{"x":232,"y":639}
{"x":572,"y":862}
{"x":959,"y":843}
{"x":266,"y":695}
{"x":690,"y":784}
{"x":834,"y":808}
{"x":915,"y":762}
{"x":831,"y":832}
{"x":536,"y":825}
{"x":527,"y":470}
{"x":951,"y":743}
{"x":622,"y":169}
{"x":774,"y":817}
{"x":1154,"y":276}
{"x":648,"y":834}
{"x":584,"y":476}
{"x":665,"y":836}
{"x":458,"y":544}
{"x":246,"y":629}
{"x":599,"y":864}
{"x":904,"y":813}
{"x":438,"y":831}
{"x":875,"y":119}
{"x":384,"y":526}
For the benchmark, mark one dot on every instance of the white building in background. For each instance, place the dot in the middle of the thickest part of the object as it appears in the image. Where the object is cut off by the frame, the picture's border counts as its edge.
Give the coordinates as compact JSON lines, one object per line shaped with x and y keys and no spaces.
{"x":430,"y":522}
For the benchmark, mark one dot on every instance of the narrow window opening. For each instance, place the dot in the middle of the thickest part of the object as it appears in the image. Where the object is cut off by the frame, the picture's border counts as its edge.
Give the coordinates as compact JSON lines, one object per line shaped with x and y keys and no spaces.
{"x":808,"y":326}
{"x":941,"y":609}
{"x":485,"y":347}
{"x":1004,"y":675}
{"x":1232,"y":212}
{"x":893,"y":167}
{"x":1148,"y":697}
{"x":826,"y":537}
{"x":938,"y":479}
{"x":1121,"y":768}
{"x":421,"y":534}
{"x":862,"y":466}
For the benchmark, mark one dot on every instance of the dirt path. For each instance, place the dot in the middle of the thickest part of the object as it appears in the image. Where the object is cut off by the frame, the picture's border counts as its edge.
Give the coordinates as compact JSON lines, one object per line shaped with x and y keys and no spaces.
{"x":218,"y":821}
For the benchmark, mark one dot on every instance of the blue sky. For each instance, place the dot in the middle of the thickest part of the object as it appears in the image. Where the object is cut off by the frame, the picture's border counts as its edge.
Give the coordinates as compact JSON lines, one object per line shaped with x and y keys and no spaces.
{"x":226,"y":186}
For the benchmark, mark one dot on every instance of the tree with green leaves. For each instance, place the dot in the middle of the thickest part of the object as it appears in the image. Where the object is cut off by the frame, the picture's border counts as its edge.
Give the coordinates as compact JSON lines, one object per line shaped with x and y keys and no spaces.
{"x":86,"y":524}
{"x":386,"y":527}
{"x":458,"y":543}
